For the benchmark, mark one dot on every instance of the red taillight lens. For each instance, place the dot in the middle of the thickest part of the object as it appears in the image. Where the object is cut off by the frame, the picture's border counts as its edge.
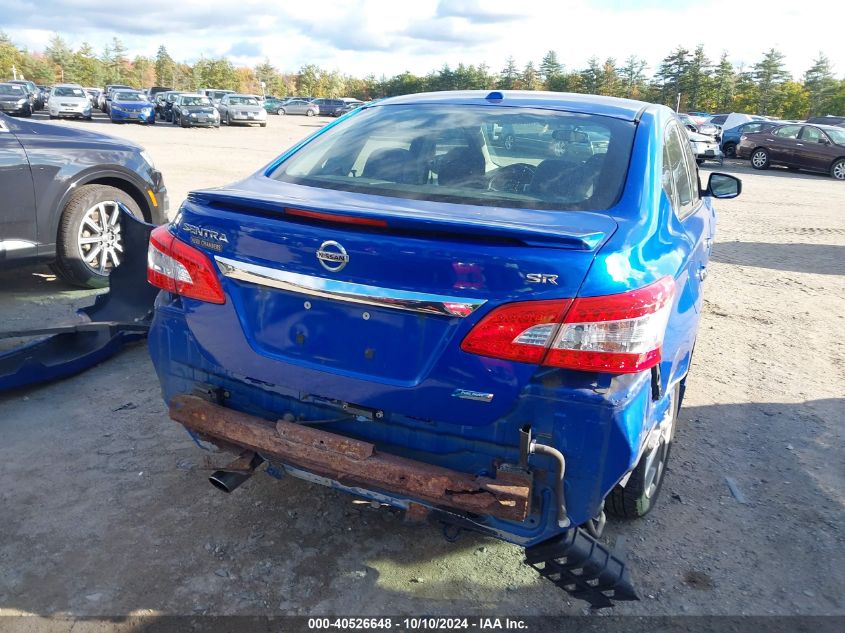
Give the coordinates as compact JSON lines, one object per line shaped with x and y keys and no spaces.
{"x":176,"y":267}
{"x":517,"y":331}
{"x":619,"y":333}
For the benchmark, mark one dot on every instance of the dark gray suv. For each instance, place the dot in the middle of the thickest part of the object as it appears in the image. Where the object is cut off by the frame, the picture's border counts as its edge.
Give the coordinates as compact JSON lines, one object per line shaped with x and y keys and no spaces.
{"x":61,"y":187}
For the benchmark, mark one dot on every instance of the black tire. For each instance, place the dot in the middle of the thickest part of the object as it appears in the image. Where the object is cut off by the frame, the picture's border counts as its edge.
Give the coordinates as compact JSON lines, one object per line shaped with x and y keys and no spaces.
{"x":281,"y":112}
{"x":183,"y":122}
{"x":310,"y":113}
{"x":730,"y":150}
{"x":263,"y":124}
{"x":699,"y":161}
{"x":228,"y":119}
{"x":837,"y":169}
{"x":172,"y":119}
{"x":760,"y":159}
{"x":640,"y":494}
{"x":69,"y":264}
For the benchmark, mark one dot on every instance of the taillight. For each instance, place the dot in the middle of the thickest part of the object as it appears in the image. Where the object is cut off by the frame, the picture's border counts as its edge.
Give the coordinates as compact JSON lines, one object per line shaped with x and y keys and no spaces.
{"x":620,"y":333}
{"x":516,"y":331}
{"x":174,"y":266}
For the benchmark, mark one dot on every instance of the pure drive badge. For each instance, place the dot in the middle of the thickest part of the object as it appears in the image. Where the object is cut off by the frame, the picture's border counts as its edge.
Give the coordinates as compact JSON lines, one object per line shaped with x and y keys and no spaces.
{"x":478,"y":396}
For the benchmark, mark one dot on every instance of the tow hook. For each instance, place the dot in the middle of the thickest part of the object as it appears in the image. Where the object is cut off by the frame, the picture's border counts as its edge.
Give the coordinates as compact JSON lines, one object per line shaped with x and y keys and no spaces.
{"x":529,"y":446}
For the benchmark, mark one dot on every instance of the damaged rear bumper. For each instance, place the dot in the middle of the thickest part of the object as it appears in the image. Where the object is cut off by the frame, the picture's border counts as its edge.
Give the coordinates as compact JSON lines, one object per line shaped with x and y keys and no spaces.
{"x":354,"y":462}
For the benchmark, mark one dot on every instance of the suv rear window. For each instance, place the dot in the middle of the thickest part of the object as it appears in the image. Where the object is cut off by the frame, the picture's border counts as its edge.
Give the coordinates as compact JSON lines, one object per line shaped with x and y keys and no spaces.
{"x":481,"y":155}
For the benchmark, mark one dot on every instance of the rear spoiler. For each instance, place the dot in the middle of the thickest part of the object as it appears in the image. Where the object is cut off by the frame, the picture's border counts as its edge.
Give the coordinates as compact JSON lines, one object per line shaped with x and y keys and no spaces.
{"x":570,"y":230}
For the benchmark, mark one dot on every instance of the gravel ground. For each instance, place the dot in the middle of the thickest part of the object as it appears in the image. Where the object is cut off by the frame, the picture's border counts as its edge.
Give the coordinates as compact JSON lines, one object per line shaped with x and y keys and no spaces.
{"x":106,"y":509}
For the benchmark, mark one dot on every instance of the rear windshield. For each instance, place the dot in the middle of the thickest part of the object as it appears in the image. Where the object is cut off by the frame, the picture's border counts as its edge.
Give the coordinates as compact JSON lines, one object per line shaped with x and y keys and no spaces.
{"x":482,"y":155}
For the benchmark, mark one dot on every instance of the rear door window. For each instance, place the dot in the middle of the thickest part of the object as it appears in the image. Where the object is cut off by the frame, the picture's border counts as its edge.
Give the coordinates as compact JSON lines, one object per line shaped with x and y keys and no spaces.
{"x":684,"y":175}
{"x":788,"y":131}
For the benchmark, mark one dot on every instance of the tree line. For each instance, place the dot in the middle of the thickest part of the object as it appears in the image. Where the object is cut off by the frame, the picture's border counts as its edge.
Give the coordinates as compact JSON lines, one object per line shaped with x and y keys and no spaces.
{"x":688,"y":79}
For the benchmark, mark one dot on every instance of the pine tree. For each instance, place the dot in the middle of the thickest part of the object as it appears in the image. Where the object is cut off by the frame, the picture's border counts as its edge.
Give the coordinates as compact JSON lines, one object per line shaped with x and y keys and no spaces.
{"x":769,"y":74}
{"x":509,"y":75}
{"x":165,"y":68}
{"x":632,"y":77}
{"x":821,"y":86}
{"x":60,"y":55}
{"x":696,"y":81}
{"x":724,"y":84}
{"x":531,"y":78}
{"x":550,"y":67}
{"x":591,"y":77}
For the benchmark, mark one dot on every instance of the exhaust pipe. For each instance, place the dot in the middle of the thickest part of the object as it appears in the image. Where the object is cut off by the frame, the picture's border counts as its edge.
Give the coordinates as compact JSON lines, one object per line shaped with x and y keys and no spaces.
{"x":233,"y":475}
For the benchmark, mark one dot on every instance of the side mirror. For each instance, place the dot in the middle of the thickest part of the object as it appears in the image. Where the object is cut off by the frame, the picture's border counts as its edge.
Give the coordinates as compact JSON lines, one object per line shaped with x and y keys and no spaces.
{"x":824,"y":141}
{"x":723,"y":186}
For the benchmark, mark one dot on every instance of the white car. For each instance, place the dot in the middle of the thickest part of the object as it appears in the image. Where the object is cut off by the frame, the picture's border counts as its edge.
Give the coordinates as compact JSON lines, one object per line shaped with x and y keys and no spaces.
{"x":69,"y":100}
{"x":705,"y":147}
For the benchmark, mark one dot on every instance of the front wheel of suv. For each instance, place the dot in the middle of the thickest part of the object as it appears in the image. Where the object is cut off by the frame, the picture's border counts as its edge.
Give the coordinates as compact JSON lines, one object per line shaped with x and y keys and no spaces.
{"x":89,"y":242}
{"x":639,"y":494}
{"x":760,"y":159}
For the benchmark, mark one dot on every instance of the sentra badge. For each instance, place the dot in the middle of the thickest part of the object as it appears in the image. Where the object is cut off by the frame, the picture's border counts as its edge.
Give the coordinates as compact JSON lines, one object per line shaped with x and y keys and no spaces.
{"x":207,"y":238}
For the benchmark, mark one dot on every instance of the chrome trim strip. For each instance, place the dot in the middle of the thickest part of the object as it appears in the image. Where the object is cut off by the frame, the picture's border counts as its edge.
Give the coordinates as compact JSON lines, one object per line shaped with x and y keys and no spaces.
{"x":349,"y":292}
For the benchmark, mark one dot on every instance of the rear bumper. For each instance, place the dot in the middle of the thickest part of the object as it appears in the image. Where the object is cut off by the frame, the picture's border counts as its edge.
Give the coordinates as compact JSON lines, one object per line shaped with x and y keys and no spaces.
{"x":357,"y":463}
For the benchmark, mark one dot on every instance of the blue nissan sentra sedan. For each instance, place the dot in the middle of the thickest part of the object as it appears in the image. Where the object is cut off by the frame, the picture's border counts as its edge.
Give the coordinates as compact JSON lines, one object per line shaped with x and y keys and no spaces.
{"x":406,"y":308}
{"x":131,"y":105}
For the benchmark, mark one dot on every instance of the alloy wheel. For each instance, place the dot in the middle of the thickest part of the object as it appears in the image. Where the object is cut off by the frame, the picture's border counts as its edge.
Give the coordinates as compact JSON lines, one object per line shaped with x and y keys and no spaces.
{"x":759,"y":159}
{"x":99,"y":239}
{"x":838,"y":170}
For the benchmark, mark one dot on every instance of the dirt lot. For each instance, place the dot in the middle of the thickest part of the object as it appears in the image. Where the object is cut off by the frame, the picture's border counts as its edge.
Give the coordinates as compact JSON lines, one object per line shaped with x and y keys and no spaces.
{"x":106,"y":509}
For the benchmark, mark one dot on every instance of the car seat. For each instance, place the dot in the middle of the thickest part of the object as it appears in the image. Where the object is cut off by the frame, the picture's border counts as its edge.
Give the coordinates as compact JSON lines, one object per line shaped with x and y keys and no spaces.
{"x":459,"y":165}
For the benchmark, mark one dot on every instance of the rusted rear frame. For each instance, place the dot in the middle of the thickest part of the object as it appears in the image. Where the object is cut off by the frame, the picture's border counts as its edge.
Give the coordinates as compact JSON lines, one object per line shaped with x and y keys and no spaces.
{"x":353,"y":462}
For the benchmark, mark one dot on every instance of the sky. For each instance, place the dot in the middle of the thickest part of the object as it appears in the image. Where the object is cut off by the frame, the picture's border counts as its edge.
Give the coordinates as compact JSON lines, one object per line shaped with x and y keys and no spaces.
{"x":388,"y":37}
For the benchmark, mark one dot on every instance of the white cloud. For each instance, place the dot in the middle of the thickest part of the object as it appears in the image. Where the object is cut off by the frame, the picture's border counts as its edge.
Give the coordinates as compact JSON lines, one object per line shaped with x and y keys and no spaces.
{"x":387,"y":37}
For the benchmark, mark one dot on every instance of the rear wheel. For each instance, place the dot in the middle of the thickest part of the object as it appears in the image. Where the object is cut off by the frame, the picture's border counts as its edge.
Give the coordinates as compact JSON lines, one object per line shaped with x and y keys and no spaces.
{"x":89,"y":242}
{"x":837,"y":170}
{"x":280,"y":111}
{"x":638,"y":496}
{"x":730,"y":150}
{"x":760,"y":159}
{"x":310,"y":113}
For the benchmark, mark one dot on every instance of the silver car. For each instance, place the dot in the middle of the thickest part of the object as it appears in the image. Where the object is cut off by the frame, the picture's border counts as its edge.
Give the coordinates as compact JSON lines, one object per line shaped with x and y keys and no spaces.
{"x":238,"y":108}
{"x":298,"y":106}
